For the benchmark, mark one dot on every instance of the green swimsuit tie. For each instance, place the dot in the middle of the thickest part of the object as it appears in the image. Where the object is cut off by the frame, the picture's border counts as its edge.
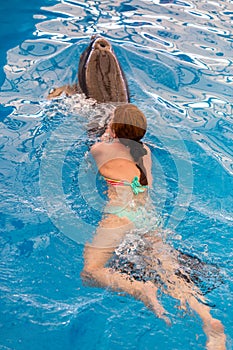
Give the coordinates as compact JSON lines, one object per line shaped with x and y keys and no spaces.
{"x":136,"y":186}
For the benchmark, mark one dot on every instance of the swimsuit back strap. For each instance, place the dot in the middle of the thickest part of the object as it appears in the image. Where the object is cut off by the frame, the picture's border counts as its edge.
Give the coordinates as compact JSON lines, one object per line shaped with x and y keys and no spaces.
{"x":135,"y":184}
{"x":114,"y":182}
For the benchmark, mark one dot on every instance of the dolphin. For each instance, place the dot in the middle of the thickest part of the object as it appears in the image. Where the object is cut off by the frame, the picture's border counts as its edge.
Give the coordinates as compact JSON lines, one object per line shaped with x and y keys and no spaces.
{"x":100,"y":75}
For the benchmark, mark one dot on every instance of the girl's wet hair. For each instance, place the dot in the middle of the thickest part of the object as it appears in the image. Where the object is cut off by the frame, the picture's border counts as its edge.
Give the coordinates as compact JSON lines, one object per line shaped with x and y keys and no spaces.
{"x":129,"y":125}
{"x":129,"y":122}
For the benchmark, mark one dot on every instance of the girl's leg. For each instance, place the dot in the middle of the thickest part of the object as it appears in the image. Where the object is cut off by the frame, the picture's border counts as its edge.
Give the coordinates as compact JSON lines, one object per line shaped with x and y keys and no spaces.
{"x":186,"y":292}
{"x":94,"y":269}
{"x":213,"y":328}
{"x":177,"y":287}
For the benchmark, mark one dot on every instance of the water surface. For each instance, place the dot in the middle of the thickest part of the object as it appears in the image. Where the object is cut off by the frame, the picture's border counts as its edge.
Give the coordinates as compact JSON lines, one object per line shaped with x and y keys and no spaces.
{"x":177,"y":57}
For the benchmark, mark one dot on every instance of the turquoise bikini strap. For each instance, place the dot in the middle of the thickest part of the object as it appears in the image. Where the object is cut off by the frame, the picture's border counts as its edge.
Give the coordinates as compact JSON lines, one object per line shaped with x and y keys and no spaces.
{"x":136,"y":186}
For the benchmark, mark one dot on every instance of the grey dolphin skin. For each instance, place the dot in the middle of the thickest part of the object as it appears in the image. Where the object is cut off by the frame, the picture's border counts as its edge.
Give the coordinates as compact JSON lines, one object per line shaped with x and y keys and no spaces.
{"x":100,"y":75}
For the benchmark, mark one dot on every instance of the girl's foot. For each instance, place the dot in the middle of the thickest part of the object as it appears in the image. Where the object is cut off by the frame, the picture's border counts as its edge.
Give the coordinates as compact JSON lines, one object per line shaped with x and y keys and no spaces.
{"x":215,"y":334}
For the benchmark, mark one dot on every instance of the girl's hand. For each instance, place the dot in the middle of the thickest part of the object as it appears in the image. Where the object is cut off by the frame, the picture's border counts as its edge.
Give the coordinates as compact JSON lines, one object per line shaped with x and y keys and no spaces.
{"x":105,"y":137}
{"x":108,"y":135}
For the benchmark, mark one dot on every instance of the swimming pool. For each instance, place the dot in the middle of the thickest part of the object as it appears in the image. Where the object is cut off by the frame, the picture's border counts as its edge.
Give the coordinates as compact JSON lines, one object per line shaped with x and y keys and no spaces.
{"x":177,"y":58}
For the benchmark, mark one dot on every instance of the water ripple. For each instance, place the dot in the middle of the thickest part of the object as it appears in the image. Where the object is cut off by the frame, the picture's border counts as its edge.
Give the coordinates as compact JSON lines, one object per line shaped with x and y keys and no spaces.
{"x":177,"y":57}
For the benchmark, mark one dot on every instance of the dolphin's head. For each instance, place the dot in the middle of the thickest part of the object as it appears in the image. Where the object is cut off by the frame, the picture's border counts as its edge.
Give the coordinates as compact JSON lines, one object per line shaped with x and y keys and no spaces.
{"x":100,"y":75}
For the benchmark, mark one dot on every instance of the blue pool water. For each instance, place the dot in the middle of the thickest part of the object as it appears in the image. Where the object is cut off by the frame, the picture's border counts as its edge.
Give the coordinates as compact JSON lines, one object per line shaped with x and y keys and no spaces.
{"x":177,"y":57}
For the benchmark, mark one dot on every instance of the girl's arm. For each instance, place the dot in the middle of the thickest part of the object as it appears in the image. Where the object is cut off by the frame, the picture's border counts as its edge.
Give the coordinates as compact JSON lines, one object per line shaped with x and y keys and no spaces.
{"x":148,"y":164}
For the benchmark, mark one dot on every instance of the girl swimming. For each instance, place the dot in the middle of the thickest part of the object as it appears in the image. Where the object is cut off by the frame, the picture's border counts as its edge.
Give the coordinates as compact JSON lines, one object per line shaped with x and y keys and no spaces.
{"x":129,"y":218}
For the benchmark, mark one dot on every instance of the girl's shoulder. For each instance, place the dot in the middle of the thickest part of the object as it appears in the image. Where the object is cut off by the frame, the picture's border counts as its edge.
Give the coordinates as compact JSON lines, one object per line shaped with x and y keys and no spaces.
{"x":146,"y":147}
{"x":104,"y":147}
{"x":97,"y":147}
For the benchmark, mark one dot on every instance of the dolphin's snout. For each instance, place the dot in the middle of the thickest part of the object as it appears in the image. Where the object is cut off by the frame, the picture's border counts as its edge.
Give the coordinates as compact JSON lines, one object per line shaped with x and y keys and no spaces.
{"x":100,"y":75}
{"x":102,"y":45}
